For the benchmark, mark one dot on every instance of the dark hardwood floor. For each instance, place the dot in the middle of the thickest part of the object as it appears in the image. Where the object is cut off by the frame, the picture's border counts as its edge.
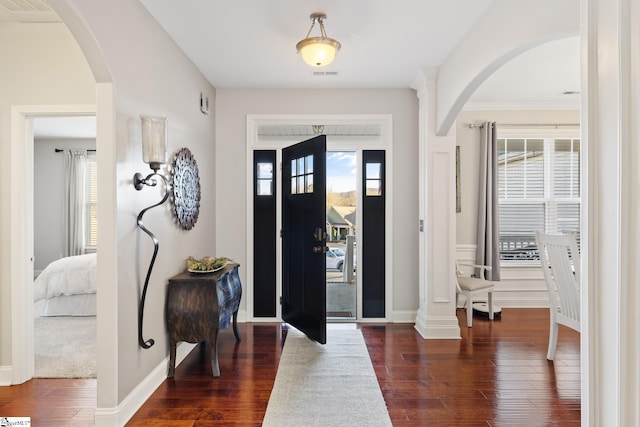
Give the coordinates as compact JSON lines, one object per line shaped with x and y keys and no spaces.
{"x":497,"y":375}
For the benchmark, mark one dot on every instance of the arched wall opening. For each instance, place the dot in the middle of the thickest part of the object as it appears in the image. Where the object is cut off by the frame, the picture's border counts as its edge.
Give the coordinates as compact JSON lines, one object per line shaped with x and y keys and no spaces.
{"x":506,"y":30}
{"x":22,"y":364}
{"x":489,"y":46}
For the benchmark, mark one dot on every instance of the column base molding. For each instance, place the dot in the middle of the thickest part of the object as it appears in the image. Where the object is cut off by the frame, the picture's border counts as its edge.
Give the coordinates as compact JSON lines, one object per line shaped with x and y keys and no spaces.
{"x":437,"y":327}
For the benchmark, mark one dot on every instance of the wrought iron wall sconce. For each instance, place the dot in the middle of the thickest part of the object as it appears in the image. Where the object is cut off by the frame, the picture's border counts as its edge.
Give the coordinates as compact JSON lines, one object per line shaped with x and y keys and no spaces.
{"x":154,"y":152}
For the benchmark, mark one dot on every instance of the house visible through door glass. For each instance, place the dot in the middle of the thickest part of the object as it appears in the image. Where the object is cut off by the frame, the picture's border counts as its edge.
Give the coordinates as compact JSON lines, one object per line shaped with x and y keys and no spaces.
{"x":302,"y":175}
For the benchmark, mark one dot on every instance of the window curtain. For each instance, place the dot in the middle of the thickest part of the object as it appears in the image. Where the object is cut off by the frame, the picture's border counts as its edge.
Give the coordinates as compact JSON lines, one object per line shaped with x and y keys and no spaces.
{"x":488,"y":241}
{"x":74,"y":201}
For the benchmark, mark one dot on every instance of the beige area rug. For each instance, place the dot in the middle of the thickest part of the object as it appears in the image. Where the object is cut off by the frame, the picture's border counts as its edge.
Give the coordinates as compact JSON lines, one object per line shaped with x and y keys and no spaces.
{"x":326,"y":385}
{"x":65,"y":347}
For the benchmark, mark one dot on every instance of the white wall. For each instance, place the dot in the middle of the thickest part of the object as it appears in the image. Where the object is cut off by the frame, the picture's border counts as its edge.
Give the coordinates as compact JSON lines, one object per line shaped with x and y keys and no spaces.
{"x":520,"y":286}
{"x":48,"y":197}
{"x":232,"y":106}
{"x":150,"y":75}
{"x":41,"y":65}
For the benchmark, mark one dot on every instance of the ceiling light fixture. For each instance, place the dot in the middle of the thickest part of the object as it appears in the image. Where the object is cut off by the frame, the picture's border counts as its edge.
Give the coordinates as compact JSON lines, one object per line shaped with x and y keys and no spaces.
{"x":318,"y":51}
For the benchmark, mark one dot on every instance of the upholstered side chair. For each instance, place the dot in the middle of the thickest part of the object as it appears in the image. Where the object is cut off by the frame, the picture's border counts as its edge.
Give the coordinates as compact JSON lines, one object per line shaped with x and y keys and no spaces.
{"x":471,"y":286}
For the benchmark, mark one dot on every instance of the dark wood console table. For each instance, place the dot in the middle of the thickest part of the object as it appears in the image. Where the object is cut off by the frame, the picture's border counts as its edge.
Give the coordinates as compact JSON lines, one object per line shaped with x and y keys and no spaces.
{"x":198,"y":306}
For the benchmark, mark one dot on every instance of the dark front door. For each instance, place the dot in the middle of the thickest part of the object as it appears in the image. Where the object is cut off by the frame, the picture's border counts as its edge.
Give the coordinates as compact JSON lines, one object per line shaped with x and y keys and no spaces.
{"x":304,"y":237}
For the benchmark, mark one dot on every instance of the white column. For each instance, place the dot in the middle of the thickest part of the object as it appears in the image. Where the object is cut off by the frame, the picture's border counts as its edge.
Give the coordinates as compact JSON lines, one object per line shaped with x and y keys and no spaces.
{"x":436,"y":317}
{"x":610,"y":336}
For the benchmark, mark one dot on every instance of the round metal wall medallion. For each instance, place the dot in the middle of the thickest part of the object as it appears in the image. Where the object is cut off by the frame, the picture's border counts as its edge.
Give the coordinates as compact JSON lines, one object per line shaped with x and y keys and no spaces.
{"x":186,"y":188}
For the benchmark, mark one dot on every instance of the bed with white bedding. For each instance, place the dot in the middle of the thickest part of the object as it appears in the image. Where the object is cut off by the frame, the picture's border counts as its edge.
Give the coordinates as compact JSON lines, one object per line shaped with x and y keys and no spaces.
{"x":67,"y":287}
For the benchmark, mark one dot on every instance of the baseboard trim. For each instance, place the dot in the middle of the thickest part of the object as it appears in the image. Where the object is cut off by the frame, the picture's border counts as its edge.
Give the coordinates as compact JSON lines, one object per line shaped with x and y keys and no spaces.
{"x":242,"y":316}
{"x":120,"y":415}
{"x":6,"y":375}
{"x":397,"y":316}
{"x":404,"y":316}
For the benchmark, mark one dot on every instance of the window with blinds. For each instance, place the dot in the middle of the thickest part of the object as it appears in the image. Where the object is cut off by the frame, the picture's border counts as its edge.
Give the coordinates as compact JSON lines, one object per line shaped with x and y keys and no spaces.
{"x":539,"y":189}
{"x":91,"y":203}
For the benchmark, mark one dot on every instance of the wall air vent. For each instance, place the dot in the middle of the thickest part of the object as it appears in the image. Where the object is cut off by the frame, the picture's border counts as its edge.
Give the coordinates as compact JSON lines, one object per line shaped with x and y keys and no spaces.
{"x":325,"y":73}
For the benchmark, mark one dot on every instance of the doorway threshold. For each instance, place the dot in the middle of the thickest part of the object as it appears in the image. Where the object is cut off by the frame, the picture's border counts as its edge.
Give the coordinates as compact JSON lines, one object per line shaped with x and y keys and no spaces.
{"x":335,"y":324}
{"x":340,"y":315}
{"x":341,"y":320}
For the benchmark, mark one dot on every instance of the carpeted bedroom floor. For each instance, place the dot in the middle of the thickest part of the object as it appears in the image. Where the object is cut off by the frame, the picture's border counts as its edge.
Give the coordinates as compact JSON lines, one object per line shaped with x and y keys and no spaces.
{"x":65,"y":347}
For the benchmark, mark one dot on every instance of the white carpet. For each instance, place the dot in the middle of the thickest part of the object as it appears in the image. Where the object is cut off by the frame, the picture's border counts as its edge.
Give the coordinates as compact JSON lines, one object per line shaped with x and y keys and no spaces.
{"x":326,"y":385}
{"x":65,"y":347}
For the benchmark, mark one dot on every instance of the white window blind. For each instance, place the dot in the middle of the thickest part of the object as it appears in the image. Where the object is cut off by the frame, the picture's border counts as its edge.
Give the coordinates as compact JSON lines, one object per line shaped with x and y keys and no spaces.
{"x":539,"y":189}
{"x":91,"y":203}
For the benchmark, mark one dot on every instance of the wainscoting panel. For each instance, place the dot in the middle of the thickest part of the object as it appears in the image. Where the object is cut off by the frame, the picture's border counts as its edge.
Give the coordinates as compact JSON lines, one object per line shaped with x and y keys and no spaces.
{"x":520,"y":285}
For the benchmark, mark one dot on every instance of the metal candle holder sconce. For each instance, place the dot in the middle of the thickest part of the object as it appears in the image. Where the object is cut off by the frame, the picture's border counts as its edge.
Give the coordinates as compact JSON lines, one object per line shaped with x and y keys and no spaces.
{"x":154,"y":150}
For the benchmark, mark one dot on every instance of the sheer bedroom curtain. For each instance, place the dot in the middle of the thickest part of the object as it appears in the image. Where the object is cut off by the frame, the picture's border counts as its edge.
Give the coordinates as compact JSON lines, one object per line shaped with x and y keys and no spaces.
{"x":75,"y":191}
{"x":488,"y":241}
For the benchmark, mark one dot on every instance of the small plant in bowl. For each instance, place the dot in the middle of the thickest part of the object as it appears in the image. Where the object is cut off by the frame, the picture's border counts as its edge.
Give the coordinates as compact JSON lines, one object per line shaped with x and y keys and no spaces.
{"x":206,"y":265}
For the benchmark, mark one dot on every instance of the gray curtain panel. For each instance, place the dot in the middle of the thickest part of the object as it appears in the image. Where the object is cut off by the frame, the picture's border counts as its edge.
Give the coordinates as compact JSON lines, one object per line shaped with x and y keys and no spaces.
{"x":488,"y":242}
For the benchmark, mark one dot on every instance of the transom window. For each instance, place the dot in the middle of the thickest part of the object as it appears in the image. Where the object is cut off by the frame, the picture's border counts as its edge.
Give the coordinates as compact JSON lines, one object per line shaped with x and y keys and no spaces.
{"x":539,"y":189}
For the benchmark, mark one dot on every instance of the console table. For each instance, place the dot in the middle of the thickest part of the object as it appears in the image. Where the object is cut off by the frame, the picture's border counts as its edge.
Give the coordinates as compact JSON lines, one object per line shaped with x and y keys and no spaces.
{"x":198,"y":306}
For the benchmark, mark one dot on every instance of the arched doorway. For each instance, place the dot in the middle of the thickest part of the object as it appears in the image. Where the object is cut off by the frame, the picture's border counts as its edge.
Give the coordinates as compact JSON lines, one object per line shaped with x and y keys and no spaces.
{"x":21,"y":267}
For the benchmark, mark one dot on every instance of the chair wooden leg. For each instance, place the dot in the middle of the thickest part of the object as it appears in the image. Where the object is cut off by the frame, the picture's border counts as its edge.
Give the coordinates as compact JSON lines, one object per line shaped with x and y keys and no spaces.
{"x":469,"y":310}
{"x":553,"y":340}
{"x":490,"y":304}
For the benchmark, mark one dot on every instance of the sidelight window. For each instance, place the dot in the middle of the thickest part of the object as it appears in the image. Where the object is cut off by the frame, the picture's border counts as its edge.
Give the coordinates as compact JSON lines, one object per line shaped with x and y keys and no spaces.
{"x":373,"y":177}
{"x":264,"y":179}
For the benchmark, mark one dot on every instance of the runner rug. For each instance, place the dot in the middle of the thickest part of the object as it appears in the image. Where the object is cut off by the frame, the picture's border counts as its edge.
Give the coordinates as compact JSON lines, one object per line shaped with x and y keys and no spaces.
{"x":326,"y":385}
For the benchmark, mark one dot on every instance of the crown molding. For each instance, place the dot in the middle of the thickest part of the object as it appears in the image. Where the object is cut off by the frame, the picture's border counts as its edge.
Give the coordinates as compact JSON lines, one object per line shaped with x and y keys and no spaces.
{"x":526,"y":105}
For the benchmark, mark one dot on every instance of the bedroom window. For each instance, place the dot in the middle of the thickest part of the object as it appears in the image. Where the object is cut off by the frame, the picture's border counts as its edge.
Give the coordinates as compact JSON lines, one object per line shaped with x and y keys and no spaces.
{"x":91,"y":205}
{"x":539,"y":186}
